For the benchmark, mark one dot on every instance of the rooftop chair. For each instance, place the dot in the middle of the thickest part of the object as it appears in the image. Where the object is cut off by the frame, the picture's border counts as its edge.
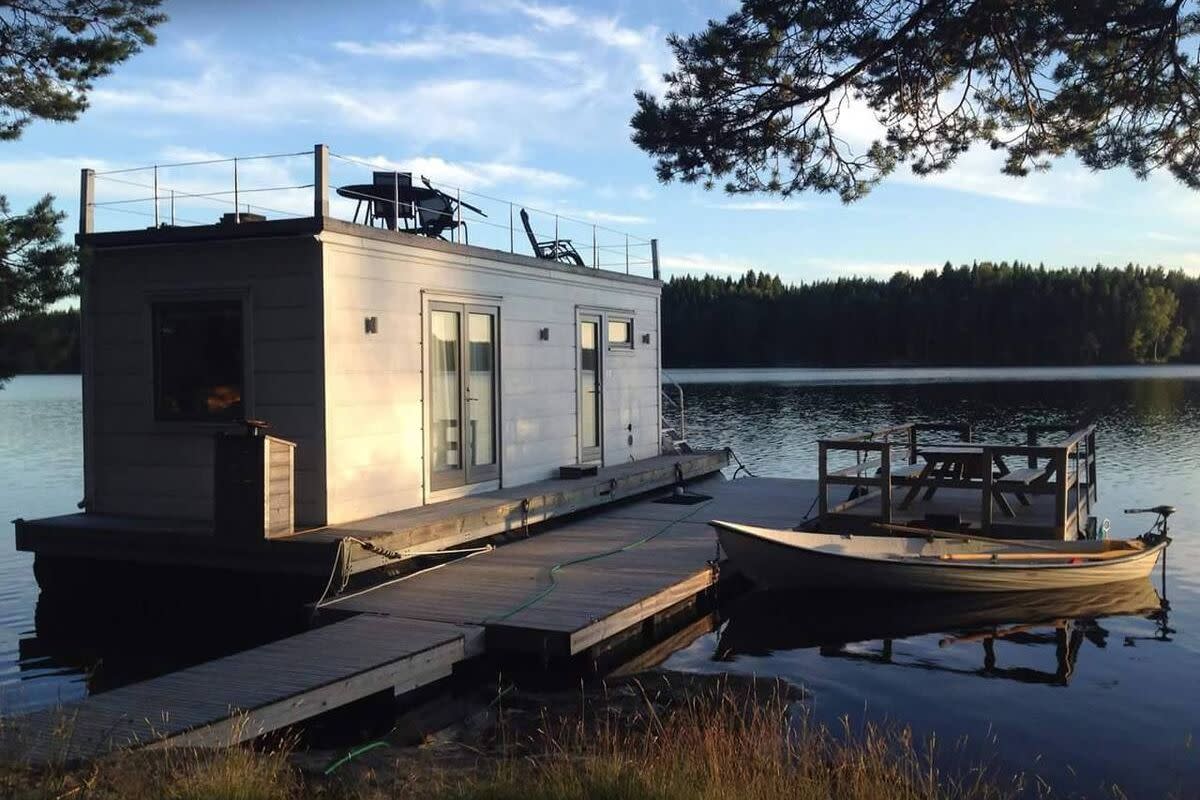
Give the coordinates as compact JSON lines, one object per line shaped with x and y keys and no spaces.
{"x":437,"y":212}
{"x":551,"y":249}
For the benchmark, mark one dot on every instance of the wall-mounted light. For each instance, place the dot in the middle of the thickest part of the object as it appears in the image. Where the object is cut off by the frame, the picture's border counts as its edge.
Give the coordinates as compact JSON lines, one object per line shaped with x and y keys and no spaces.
{"x":645,"y":338}
{"x":544,"y":334}
{"x":371,"y":324}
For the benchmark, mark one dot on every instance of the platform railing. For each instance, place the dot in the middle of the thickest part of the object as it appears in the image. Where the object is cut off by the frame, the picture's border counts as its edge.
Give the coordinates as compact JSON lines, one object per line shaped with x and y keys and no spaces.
{"x":303,"y":184}
{"x":888,"y":457}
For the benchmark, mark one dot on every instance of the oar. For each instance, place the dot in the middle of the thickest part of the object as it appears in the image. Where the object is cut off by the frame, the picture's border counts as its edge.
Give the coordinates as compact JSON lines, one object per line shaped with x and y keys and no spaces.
{"x":965,"y":537}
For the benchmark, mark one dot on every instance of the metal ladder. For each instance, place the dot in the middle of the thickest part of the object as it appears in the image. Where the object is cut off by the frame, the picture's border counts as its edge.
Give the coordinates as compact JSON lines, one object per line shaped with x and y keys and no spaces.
{"x":674,"y":418}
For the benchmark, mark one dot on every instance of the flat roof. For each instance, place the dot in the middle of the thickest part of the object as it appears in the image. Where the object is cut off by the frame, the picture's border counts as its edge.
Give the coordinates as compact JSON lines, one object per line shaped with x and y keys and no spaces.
{"x":314,"y":226}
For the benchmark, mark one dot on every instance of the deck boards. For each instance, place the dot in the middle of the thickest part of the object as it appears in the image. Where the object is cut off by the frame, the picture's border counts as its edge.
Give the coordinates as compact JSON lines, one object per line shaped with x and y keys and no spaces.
{"x":597,"y":597}
{"x":413,"y":631}
{"x":430,"y":527}
{"x":1033,"y":521}
{"x":246,"y":694}
{"x":452,"y":522}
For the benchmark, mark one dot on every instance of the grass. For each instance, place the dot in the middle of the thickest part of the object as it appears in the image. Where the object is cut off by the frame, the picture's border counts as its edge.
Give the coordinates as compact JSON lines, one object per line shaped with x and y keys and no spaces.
{"x":711,"y":744}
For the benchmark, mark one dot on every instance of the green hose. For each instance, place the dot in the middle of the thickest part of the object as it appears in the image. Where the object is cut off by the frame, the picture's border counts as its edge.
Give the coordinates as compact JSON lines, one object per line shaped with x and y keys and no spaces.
{"x":355,"y":753}
{"x":584,"y":559}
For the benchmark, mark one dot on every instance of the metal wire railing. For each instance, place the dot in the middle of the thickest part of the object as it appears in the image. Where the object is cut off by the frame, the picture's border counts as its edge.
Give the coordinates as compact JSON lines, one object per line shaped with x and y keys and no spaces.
{"x":203,"y":191}
{"x":186,"y":192}
{"x":467,"y":214}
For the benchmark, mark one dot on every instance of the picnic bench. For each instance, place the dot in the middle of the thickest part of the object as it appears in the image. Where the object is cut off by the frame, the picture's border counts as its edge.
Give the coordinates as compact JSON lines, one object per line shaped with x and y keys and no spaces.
{"x":925,"y":458}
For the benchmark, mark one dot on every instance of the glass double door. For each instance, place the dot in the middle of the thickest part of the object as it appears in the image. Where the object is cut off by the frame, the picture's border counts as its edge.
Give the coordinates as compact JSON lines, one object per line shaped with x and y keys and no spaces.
{"x":463,"y":434}
{"x":590,"y":391}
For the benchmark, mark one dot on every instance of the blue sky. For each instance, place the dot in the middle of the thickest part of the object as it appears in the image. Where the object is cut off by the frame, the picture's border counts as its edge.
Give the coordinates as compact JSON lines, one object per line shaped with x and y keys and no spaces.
{"x":531,"y":100}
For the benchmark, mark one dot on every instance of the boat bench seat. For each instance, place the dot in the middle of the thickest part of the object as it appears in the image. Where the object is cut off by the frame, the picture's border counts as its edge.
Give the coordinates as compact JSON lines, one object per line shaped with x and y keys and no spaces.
{"x":907,"y":470}
{"x":1022,"y":477}
{"x":874,"y":465}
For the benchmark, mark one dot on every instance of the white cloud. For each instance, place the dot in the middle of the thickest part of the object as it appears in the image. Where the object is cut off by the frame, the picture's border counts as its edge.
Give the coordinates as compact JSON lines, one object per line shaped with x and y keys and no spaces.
{"x":759,"y":205}
{"x":702,"y":263}
{"x":646,"y":45}
{"x":829,"y":267}
{"x":642,"y":193}
{"x":978,"y":171}
{"x":475,"y":175}
{"x":489,"y":110}
{"x":606,"y":217}
{"x":441,"y":44}
{"x":1174,"y":238}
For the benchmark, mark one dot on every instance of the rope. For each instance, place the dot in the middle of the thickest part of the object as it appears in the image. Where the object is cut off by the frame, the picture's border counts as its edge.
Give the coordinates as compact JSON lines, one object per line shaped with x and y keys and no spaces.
{"x":343,"y":597}
{"x":554,"y":570}
{"x":740,"y":466}
{"x":341,"y":557}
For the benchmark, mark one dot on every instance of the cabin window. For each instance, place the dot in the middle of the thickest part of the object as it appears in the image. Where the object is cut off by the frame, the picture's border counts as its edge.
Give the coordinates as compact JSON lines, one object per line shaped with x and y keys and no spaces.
{"x":199,"y":363}
{"x":620,"y":333}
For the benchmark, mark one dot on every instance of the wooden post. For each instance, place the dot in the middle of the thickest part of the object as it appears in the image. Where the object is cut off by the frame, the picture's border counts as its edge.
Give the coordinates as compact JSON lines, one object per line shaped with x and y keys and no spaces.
{"x":985,"y":516}
{"x":822,"y":469}
{"x":1031,"y":439}
{"x":1093,"y":488}
{"x":885,"y":489}
{"x":87,"y":200}
{"x":654,"y":259}
{"x":912,"y":444}
{"x":1060,"y":491}
{"x":320,"y":180}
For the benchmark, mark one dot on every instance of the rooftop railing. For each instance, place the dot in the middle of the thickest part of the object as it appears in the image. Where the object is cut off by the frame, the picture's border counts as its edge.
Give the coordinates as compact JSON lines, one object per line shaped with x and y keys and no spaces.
{"x":368,"y":191}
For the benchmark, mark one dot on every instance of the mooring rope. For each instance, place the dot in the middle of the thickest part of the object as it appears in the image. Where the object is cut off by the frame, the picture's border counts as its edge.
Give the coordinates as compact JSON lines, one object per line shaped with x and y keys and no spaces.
{"x":740,"y":466}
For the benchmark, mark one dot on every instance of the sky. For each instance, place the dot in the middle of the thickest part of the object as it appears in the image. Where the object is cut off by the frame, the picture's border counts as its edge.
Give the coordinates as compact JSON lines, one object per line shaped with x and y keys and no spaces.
{"x":530,"y":101}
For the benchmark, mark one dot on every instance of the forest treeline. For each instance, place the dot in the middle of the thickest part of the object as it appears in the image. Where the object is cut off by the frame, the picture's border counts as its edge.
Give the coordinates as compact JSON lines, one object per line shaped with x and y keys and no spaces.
{"x":40,"y":343}
{"x":977,"y":315}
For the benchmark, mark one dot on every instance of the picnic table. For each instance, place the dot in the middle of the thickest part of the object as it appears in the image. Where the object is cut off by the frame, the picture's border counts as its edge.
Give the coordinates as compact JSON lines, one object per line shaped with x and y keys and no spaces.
{"x":955,"y":465}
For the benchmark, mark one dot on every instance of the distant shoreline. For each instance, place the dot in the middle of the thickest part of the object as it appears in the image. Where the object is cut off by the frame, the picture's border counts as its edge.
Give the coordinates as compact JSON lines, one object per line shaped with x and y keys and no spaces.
{"x":901,"y":375}
{"x":905,"y":374}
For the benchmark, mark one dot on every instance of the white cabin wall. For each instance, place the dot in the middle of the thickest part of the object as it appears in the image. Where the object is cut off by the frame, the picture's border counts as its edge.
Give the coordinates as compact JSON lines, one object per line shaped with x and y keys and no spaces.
{"x":137,"y":466}
{"x":374,"y":382}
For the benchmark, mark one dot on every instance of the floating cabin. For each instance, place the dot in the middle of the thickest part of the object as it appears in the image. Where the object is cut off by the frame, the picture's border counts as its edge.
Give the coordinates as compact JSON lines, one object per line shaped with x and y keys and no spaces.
{"x":416,"y":391}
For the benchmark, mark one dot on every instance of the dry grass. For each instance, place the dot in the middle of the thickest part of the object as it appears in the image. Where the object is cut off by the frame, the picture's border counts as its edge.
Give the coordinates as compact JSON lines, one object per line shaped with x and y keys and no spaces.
{"x":716,"y":745}
{"x":711,"y":744}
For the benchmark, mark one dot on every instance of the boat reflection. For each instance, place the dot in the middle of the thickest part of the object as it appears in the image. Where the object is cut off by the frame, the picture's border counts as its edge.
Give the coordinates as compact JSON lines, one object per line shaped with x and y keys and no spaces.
{"x":865,"y":627}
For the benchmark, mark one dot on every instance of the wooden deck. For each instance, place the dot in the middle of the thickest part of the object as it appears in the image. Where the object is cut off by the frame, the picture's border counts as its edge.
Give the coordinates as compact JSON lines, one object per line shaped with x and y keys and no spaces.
{"x":245,"y":695}
{"x":180,"y":543}
{"x":453,"y":522}
{"x":1035,"y":521}
{"x":557,"y":594}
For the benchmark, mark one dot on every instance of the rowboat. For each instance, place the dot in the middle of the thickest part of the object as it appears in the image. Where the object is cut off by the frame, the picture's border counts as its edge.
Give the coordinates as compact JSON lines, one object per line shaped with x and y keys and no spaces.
{"x":933,"y":562}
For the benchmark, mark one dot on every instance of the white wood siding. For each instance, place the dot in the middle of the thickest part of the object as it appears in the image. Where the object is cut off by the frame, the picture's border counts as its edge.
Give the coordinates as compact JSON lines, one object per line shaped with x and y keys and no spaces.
{"x":374,"y":416}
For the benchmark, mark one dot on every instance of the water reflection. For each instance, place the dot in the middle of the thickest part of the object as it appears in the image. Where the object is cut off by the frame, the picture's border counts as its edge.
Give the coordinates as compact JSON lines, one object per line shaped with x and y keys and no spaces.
{"x":865,"y":628}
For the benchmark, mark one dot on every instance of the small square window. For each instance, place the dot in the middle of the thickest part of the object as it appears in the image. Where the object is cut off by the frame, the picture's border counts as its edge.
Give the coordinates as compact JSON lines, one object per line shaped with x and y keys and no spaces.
{"x":198,"y":361}
{"x":620,"y":333}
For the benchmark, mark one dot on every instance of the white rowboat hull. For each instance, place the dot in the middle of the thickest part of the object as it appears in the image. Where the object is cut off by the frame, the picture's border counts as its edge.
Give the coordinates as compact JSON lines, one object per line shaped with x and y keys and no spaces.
{"x":783,"y":559}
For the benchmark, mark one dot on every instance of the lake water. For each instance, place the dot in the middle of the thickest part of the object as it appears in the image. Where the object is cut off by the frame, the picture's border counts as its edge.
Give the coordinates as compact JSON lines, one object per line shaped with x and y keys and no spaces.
{"x":1105,"y":687}
{"x":1098,"y":685}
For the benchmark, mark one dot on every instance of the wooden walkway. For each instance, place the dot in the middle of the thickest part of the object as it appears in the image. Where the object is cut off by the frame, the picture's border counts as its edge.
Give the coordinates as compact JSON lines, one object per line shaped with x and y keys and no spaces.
{"x":562,"y":592}
{"x":556,"y":594}
{"x":247,"y":694}
{"x":453,"y":522}
{"x":436,"y":526}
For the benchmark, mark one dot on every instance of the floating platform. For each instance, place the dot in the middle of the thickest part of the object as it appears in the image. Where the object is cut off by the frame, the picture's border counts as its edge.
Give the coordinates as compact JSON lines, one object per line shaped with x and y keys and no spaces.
{"x":559,"y":594}
{"x":180,"y":543}
{"x":1033,"y":521}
